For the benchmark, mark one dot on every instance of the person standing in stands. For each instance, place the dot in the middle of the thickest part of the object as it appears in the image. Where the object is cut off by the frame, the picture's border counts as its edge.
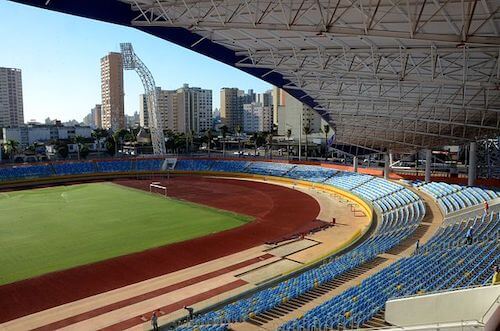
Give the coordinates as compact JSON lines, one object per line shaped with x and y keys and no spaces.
{"x":468,"y":236}
{"x":486,"y":208}
{"x":417,"y":246}
{"x":496,"y":276}
{"x":154,"y":321}
{"x":190,"y":311}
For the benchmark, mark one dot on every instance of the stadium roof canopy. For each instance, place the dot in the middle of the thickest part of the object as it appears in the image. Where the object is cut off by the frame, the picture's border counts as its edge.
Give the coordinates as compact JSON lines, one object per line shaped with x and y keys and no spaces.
{"x":386,"y":74}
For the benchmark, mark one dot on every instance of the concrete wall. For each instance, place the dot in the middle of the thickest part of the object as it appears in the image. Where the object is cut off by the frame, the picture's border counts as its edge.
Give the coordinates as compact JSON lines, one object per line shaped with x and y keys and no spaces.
{"x":447,"y":307}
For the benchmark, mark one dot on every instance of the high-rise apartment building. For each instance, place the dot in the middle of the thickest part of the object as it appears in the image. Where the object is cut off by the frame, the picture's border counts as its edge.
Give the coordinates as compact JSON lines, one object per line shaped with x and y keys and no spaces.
{"x":294,"y":115}
{"x":11,"y":98}
{"x":97,"y":116}
{"x":183,"y":110}
{"x":113,"y":112}
{"x":143,"y":111}
{"x":278,"y":101}
{"x":231,"y":107}
{"x":257,"y":118}
{"x":258,"y":115}
{"x":194,"y":109}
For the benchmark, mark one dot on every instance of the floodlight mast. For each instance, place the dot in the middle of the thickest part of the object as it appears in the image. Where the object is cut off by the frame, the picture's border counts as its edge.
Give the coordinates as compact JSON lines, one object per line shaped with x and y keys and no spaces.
{"x":132,"y":62}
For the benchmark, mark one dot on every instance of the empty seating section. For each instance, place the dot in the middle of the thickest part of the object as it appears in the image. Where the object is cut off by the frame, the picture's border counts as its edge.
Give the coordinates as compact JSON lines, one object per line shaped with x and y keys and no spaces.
{"x":398,"y":222}
{"x":149,"y":164}
{"x":348,"y":180}
{"x":25,"y":172}
{"x":452,"y":198}
{"x":75,"y":168}
{"x":193,"y":165}
{"x":377,"y":188}
{"x":221,"y":327}
{"x":445,"y":262}
{"x":114,"y":166}
{"x":310,"y":173}
{"x":230,"y":166}
{"x":269,"y":168}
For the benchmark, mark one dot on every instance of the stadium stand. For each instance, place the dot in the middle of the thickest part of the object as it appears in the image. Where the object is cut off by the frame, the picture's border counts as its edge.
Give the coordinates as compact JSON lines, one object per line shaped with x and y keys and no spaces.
{"x":444,"y":263}
{"x":348,"y":180}
{"x":114,"y":166}
{"x":395,"y":225}
{"x":452,"y":198}
{"x":193,"y":165}
{"x":25,"y":172}
{"x":230,"y":166}
{"x":269,"y":168}
{"x":148,"y":164}
{"x":75,"y":168}
{"x":310,"y":173}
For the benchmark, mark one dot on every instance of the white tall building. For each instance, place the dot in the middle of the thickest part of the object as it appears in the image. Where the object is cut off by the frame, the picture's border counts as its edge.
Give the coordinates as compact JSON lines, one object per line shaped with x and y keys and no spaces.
{"x":143,"y":111}
{"x":257,"y":118}
{"x":258,"y":115}
{"x":11,"y":97}
{"x":194,"y":109}
{"x":294,"y":115}
{"x":183,"y":110}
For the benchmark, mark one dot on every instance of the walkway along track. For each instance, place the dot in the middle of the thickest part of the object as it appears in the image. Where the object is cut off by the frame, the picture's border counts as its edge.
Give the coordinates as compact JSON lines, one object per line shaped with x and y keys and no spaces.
{"x":272,"y":319}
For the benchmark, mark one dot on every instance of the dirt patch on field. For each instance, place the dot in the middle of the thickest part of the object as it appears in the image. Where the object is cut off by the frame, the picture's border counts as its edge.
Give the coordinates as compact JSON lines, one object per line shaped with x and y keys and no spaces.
{"x":278,"y":212}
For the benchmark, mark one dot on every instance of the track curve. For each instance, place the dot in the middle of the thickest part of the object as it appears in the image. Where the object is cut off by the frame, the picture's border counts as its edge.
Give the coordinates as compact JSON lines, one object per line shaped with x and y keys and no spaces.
{"x":278,"y":211}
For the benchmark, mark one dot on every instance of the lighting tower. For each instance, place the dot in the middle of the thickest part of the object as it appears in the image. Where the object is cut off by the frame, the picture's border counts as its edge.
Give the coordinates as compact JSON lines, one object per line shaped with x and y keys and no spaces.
{"x":132,"y":62}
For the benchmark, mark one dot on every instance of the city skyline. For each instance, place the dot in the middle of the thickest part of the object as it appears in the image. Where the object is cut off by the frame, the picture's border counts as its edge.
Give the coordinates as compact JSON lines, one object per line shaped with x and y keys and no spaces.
{"x":67,"y":46}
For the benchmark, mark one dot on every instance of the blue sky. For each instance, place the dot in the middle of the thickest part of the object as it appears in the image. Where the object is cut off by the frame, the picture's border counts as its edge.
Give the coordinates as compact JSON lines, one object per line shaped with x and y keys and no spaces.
{"x":59,"y":56}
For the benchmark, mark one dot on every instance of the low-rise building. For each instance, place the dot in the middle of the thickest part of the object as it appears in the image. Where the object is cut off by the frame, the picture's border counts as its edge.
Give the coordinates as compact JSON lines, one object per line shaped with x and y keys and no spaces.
{"x":29,"y":134}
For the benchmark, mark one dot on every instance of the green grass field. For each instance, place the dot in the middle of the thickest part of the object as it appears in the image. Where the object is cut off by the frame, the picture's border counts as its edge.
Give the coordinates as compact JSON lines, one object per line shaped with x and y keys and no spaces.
{"x":50,"y":229}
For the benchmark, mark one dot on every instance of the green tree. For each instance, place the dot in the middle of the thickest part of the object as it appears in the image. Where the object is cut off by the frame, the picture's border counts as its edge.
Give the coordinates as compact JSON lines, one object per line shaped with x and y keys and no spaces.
{"x":288,"y":135}
{"x":99,"y":134}
{"x":269,"y":140}
{"x":119,"y":137}
{"x":80,"y":142}
{"x":326,"y":130}
{"x":11,"y":147}
{"x":224,"y":130}
{"x":84,"y":152}
{"x":111,"y":146}
{"x":209,"y":135}
{"x":238,"y":130}
{"x":255,"y":137}
{"x":307,"y":131}
{"x":62,"y":150}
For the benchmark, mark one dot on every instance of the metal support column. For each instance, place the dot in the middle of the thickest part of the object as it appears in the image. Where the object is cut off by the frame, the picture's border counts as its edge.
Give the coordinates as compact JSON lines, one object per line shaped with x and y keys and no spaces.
{"x":471,"y":179}
{"x":355,"y":164}
{"x":428,"y":163}
{"x":386,"y":166}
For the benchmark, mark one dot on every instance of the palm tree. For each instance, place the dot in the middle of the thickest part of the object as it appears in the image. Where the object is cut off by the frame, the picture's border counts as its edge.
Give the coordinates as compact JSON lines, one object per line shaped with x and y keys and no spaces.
{"x":79,"y":141}
{"x":210,"y":137}
{"x":119,"y":137}
{"x":307,"y":131}
{"x":270,"y":144}
{"x":288,"y":135}
{"x":191,"y":136}
{"x":98,"y":134}
{"x":237,"y":129}
{"x":11,"y":147}
{"x":255,"y":136}
{"x":326,"y":130}
{"x":224,"y":130}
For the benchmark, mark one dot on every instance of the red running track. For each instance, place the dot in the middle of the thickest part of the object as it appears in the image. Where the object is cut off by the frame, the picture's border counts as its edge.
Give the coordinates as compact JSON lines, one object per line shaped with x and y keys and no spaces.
{"x":278,"y":211}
